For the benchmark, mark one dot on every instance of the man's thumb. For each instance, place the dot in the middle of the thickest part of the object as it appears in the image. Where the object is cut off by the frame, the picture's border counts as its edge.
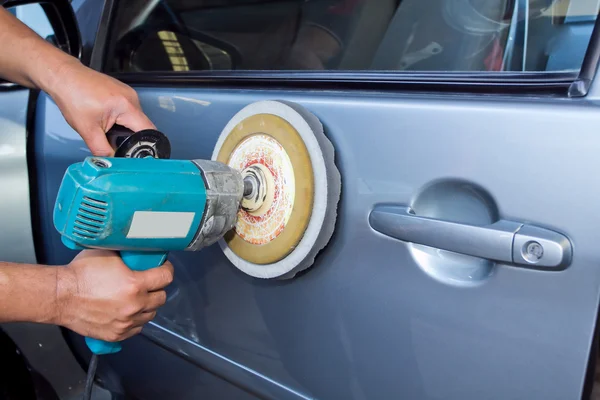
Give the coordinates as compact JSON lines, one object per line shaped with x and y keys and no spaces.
{"x":98,"y":143}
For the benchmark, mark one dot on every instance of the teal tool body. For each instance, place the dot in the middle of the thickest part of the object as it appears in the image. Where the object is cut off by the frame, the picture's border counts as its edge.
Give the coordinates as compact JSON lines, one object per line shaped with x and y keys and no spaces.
{"x":145,"y":208}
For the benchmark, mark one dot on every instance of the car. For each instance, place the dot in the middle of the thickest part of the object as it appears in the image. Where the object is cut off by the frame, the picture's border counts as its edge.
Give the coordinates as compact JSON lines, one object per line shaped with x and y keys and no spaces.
{"x":464,"y":262}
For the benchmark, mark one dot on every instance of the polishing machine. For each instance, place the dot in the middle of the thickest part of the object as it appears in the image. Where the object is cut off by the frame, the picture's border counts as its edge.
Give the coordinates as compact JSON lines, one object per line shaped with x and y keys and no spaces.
{"x":145,"y":207}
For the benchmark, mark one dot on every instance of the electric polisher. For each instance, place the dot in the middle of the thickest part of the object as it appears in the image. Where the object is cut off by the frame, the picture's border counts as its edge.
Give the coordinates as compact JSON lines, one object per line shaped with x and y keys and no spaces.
{"x":268,"y":195}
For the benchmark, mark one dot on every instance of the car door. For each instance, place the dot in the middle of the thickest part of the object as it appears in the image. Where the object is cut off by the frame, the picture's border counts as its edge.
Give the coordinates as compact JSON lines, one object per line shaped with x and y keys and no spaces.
{"x":15,"y":216}
{"x":464,"y":263}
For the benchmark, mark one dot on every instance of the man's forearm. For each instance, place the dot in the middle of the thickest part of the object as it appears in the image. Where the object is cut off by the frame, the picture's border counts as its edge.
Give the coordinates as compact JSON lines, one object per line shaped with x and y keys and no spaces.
{"x":31,"y":293}
{"x":26,"y":58}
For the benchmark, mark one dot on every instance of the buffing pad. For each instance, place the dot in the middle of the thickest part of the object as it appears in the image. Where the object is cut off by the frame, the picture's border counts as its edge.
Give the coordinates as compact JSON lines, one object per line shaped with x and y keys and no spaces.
{"x":290,"y":216}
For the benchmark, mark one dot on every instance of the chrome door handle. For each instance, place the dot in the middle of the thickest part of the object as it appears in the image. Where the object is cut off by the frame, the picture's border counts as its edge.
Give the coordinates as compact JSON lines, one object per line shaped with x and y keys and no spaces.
{"x":502,"y":241}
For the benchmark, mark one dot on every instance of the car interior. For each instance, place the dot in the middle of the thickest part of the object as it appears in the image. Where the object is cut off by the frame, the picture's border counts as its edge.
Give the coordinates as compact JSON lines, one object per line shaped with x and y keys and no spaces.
{"x":386,"y":35}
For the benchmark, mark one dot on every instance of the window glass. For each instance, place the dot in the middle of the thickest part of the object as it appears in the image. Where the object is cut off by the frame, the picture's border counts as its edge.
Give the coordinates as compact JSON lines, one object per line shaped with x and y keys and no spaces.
{"x":377,"y":35}
{"x":34,"y":16}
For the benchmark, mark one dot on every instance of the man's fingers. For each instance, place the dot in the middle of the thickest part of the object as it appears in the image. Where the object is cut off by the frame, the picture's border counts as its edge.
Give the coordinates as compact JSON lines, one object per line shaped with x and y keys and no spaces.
{"x":143,"y":318}
{"x":98,"y":143}
{"x":131,"y":333}
{"x":156,"y":278}
{"x":155,"y":300}
{"x":135,"y":120}
{"x":132,"y":118}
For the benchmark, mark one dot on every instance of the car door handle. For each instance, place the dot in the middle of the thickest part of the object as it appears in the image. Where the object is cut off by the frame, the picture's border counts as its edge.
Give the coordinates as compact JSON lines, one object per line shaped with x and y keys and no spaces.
{"x":502,"y":241}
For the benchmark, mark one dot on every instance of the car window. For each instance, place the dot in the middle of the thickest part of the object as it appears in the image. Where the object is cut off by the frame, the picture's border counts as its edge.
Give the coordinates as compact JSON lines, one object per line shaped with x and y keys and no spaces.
{"x":34,"y":16}
{"x":376,"y":35}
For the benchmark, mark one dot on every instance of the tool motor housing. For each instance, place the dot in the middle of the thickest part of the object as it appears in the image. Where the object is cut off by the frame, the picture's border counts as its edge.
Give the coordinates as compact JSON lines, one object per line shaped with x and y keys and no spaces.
{"x":146,"y":204}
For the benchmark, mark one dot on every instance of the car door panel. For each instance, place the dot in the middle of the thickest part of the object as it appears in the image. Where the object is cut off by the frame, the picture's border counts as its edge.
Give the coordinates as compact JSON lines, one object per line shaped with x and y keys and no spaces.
{"x":376,"y":317}
{"x":16,"y":235}
{"x":140,"y":370}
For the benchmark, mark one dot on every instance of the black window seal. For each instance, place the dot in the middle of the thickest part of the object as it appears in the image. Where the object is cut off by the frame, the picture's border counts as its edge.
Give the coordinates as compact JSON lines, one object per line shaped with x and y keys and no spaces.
{"x":549,"y":83}
{"x":571,"y":84}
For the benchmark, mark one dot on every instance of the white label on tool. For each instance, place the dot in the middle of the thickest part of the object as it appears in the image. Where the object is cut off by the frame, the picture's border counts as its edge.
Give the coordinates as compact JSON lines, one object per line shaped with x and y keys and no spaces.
{"x":160,"y":225}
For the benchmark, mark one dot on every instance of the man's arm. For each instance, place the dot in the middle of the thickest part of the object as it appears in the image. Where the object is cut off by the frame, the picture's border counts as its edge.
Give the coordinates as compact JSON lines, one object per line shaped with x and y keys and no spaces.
{"x":95,"y":295}
{"x":26,"y":58}
{"x":28,"y":293}
{"x":90,"y":101}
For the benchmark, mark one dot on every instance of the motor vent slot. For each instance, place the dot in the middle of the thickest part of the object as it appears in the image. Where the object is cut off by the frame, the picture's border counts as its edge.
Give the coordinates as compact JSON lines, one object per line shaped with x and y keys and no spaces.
{"x":91,"y":218}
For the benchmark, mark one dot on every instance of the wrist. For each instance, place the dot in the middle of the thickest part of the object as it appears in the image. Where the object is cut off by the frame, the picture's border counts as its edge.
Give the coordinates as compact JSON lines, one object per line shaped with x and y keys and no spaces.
{"x":66,"y":289}
{"x":51,"y":76}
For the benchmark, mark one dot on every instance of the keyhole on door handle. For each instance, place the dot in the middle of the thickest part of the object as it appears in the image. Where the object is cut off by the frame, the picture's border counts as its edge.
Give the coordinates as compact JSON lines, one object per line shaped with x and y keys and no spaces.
{"x":533,"y":252}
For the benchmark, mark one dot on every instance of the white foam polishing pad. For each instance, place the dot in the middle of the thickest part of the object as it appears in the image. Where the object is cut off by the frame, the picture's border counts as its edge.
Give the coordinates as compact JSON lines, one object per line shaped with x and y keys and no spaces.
{"x":291,"y":215}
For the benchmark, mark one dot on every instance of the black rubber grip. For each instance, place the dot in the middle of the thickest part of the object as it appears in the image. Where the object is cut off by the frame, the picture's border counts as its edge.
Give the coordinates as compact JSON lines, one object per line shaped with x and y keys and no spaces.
{"x":126,"y":143}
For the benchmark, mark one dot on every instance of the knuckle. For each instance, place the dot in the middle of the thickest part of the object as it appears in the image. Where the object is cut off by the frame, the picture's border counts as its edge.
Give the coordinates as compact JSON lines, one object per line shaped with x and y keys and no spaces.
{"x":130,"y":310}
{"x":136,"y":308}
{"x":133,"y":289}
{"x":130,"y":92}
{"x":122,"y":102}
{"x":167,"y":276}
{"x":114,"y":337}
{"x":127,"y":325}
{"x":162,"y":298}
{"x":122,"y":328}
{"x":125,"y":98}
{"x":170,"y":274}
{"x":132,"y":98}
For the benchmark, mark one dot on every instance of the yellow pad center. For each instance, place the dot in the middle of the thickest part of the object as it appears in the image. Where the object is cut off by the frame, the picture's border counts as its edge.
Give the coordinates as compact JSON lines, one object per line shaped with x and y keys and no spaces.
{"x":292,"y":160}
{"x":268,"y":221}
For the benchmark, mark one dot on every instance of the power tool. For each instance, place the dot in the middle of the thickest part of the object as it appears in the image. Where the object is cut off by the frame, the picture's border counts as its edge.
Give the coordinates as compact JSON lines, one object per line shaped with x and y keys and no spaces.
{"x":144,"y":207}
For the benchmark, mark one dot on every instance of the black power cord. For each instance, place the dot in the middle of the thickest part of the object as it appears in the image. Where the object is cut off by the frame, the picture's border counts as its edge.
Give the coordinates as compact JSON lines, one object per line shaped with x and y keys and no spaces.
{"x":89,"y":380}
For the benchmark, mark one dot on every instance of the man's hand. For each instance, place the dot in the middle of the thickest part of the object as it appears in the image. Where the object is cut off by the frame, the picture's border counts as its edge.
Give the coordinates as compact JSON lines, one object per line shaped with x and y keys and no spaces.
{"x":99,"y":297}
{"x":90,"y":101}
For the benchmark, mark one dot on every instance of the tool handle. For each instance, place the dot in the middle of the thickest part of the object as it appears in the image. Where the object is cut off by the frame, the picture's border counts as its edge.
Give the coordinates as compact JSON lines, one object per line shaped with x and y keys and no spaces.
{"x":136,"y":261}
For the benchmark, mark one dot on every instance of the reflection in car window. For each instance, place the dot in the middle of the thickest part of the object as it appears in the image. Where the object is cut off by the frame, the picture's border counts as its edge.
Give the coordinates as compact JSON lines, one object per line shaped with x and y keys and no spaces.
{"x":380,"y":35}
